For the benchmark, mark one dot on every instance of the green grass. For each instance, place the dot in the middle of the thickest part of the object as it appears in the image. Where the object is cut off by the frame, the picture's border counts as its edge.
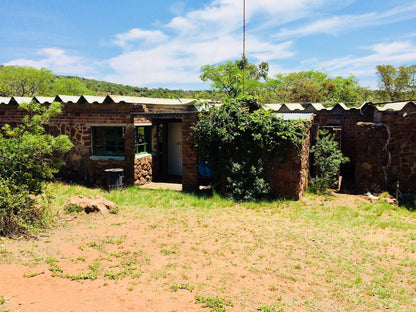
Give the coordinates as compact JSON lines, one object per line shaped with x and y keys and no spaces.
{"x":74,"y":209}
{"x":216,"y":304}
{"x":268,"y":309}
{"x":168,"y":252}
{"x":176,"y":287}
{"x":32,"y":274}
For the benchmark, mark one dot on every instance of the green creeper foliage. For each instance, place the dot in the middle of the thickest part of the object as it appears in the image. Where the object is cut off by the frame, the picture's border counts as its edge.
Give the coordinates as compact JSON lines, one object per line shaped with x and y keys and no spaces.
{"x":241,"y":142}
{"x":327,"y":159}
{"x":27,"y":160}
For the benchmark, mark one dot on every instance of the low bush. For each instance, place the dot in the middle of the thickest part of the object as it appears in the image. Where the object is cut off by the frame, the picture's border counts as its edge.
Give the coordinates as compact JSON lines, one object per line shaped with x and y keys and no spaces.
{"x":327,"y":159}
{"x":27,"y":160}
{"x":246,"y":182}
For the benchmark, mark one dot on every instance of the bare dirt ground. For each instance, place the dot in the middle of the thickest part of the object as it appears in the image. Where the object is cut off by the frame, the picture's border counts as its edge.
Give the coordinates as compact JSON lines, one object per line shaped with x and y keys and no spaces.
{"x":161,"y":259}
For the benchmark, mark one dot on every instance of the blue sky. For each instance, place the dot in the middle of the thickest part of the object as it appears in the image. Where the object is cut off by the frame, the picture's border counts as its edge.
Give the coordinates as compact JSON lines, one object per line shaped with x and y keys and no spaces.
{"x":164,"y":43}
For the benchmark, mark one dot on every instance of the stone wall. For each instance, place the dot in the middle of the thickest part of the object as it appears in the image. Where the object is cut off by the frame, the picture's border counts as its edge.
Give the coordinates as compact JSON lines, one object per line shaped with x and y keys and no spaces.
{"x":76,"y":121}
{"x":386,"y":154}
{"x":371,"y":157}
{"x":347,"y":121}
{"x":143,"y":169}
{"x":289,"y":178}
{"x":190,"y":175}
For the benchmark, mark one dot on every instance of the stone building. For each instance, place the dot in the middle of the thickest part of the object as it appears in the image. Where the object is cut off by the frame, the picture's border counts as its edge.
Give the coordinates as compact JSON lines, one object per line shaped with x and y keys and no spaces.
{"x":149,"y":139}
{"x":146,"y":137}
{"x":379,"y":139}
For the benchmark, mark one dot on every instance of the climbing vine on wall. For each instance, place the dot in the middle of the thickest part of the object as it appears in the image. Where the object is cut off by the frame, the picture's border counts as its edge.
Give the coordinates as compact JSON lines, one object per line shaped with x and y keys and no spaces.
{"x":239,"y":141}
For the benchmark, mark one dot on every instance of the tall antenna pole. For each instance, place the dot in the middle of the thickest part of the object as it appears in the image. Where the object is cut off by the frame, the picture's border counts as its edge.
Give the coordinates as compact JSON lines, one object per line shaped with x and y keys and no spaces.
{"x":244,"y":44}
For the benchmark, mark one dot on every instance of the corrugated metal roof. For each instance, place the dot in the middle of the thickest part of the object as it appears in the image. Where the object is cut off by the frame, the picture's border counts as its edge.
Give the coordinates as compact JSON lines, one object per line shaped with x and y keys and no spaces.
{"x":22,"y":99}
{"x":273,"y":107}
{"x":101,"y":99}
{"x":149,"y":101}
{"x":295,"y":116}
{"x":5,"y":100}
{"x":314,"y":107}
{"x":67,"y":98}
{"x":90,"y":99}
{"x":293,"y":106}
{"x":342,"y":105}
{"x":339,"y":107}
{"x":396,"y":106}
{"x":204,"y":104}
{"x":43,"y":99}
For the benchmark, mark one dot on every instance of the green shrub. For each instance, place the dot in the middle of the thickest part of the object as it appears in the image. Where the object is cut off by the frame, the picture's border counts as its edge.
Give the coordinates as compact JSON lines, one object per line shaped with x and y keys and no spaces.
{"x":327,"y":159}
{"x":27,"y":160}
{"x":241,"y":143}
{"x":246,"y":182}
{"x":14,"y":202}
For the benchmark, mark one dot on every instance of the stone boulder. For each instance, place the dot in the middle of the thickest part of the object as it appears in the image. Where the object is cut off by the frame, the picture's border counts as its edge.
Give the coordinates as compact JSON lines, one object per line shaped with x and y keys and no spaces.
{"x":91,"y":204}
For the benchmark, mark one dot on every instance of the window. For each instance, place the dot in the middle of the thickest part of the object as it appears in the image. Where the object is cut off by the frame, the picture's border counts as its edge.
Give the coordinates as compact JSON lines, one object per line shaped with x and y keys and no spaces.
{"x":108,"y":141}
{"x":143,"y":139}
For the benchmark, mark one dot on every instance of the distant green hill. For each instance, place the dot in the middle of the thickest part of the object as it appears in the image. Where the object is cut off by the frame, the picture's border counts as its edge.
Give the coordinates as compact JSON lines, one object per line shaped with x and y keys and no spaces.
{"x":29,"y":81}
{"x":97,"y":87}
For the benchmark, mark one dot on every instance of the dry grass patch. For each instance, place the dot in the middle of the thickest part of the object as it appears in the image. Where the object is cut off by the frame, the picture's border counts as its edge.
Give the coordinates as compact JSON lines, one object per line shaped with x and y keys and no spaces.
{"x":168,"y":251}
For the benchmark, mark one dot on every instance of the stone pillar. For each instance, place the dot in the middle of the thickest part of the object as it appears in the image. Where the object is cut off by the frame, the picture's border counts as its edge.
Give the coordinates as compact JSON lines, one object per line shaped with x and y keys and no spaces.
{"x":190,"y":180}
{"x":129,"y":154}
{"x":289,"y":178}
{"x":371,"y":157}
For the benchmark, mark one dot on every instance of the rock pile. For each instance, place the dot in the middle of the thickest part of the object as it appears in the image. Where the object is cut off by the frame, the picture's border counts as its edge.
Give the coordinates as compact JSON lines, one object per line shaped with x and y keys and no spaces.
{"x":91,"y":204}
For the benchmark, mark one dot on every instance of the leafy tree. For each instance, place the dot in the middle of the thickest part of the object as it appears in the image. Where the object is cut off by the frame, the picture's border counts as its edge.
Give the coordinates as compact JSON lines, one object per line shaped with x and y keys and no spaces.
{"x":27,"y":160}
{"x":397,"y":83}
{"x":25,"y":81}
{"x":228,"y":77}
{"x":314,"y":86}
{"x":241,"y":142}
{"x":345,"y":90}
{"x":69,"y":86}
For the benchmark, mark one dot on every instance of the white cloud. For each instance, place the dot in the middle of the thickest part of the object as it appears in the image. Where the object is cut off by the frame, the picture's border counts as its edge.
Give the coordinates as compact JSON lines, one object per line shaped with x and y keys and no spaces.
{"x":337,"y":24}
{"x":136,"y":34}
{"x":173,"y":53}
{"x":210,"y":35}
{"x":171,"y":62}
{"x":57,"y":60}
{"x":221,"y":16}
{"x":395,"y":53}
{"x":179,"y":60}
